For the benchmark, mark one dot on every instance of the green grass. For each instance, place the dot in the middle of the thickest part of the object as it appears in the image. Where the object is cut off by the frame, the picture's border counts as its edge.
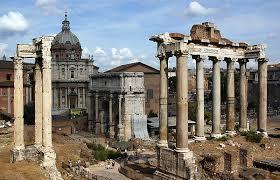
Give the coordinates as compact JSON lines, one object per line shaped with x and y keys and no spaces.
{"x":100,"y":153}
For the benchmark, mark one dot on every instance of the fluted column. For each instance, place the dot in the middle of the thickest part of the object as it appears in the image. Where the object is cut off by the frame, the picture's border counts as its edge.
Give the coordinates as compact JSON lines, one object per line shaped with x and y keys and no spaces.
{"x":47,"y":104}
{"x":216,"y":98}
{"x":18,"y":105}
{"x":38,"y":105}
{"x":230,"y":121}
{"x":243,"y":96}
{"x":120,"y":125}
{"x":111,"y":125}
{"x":163,"y":122}
{"x":199,"y":132}
{"x":182,"y":102}
{"x":262,"y":114}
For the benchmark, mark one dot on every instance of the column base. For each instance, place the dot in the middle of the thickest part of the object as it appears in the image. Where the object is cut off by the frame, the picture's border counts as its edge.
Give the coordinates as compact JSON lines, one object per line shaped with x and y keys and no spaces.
{"x":162,"y":143}
{"x":17,"y":154}
{"x":182,"y":150}
{"x":264,"y":133}
{"x":200,"y":138}
{"x":48,"y":157}
{"x":243,"y":129}
{"x":231,"y":133}
{"x":216,"y":135}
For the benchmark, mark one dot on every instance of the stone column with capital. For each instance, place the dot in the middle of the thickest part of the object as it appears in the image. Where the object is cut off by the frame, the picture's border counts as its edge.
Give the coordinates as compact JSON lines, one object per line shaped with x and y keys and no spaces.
{"x":163,"y":122}
{"x":47,"y":104}
{"x":111,"y":123}
{"x":262,"y":113}
{"x":182,"y":102}
{"x":216,"y":98}
{"x":230,"y":121}
{"x":18,"y":149}
{"x":38,"y":105}
{"x":199,"y":132}
{"x":243,"y":96}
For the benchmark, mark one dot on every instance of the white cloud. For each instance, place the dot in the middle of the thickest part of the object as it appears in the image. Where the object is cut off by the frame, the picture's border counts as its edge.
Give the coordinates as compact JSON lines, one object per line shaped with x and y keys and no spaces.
{"x":107,"y":59}
{"x":3,"y":47}
{"x":48,"y":6}
{"x":196,"y":9}
{"x":13,"y":23}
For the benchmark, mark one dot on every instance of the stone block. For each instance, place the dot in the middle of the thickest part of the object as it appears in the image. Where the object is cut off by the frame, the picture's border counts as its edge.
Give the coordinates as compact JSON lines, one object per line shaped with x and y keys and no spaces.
{"x":175,"y":165}
{"x":245,"y":158}
{"x":17,"y":155}
{"x":231,"y":162}
{"x":213,"y":163}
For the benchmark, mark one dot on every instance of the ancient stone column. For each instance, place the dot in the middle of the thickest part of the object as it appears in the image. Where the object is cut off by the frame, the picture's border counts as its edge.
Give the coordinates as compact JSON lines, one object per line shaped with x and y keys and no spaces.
{"x":262,"y":114}
{"x":182,"y":102}
{"x":97,"y":121}
{"x":199,"y":132}
{"x":216,"y":98}
{"x":163,"y":121}
{"x":90,"y":111}
{"x":120,"y":125}
{"x":243,"y":96}
{"x":111,"y":124}
{"x":18,"y":106}
{"x":38,"y":105}
{"x":47,"y":104}
{"x":230,"y":121}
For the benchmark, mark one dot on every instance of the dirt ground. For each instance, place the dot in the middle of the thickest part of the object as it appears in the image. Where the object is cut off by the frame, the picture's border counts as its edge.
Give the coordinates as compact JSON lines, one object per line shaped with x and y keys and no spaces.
{"x":69,"y":148}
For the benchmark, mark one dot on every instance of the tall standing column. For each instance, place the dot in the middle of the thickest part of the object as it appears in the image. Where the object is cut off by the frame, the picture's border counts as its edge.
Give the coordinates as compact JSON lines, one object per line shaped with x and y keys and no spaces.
{"x":47,"y":104}
{"x":216,"y":98}
{"x":230,"y":121}
{"x":90,"y":112}
{"x":199,"y":132}
{"x":262,"y":114}
{"x":163,"y":122}
{"x":243,"y":96}
{"x":18,"y":106}
{"x":111,"y":124}
{"x":120,"y":125}
{"x":38,"y":105}
{"x":97,"y":122}
{"x":182,"y":103}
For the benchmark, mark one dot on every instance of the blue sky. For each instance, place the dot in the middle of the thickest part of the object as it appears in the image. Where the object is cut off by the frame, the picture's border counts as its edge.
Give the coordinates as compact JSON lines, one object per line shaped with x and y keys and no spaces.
{"x":117,"y":31}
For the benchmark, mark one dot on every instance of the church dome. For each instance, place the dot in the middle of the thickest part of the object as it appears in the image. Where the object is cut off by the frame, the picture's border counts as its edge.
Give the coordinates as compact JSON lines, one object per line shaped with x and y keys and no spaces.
{"x":66,"y":36}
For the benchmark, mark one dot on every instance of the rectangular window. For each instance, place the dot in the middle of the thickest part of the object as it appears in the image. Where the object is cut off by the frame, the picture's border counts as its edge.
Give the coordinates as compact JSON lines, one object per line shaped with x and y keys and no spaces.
{"x":72,"y":74}
{"x":150,"y":94}
{"x":9,"y":77}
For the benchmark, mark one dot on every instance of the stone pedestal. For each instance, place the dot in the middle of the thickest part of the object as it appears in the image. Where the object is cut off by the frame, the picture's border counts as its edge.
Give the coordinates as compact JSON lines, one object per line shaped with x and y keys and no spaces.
{"x":17,"y":155}
{"x":175,"y":165}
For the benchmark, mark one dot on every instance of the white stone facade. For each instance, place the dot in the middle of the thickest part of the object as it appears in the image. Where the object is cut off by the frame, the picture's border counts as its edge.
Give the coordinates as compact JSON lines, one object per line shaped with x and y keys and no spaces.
{"x":114,"y":99}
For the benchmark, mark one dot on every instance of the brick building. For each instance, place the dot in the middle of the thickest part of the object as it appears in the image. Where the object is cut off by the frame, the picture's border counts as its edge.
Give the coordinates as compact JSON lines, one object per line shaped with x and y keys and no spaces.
{"x":151,"y":83}
{"x":7,"y":85}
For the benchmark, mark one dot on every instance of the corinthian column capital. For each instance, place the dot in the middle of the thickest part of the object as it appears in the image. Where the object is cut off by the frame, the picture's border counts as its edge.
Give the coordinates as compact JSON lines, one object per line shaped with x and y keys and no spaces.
{"x":18,"y":63}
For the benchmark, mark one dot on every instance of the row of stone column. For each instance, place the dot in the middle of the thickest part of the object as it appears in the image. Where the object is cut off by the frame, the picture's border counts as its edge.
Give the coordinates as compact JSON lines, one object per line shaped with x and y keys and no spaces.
{"x":98,"y":122}
{"x":43,"y":123}
{"x":182,"y":98}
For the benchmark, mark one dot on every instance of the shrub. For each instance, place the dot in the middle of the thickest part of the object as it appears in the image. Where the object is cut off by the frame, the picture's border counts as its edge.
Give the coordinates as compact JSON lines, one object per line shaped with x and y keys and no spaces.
{"x":254,"y":137}
{"x":101,"y":153}
{"x":224,"y":138}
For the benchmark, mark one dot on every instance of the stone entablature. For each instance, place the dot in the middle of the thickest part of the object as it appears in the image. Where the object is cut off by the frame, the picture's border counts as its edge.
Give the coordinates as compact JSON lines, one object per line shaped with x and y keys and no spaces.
{"x":125,"y":83}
